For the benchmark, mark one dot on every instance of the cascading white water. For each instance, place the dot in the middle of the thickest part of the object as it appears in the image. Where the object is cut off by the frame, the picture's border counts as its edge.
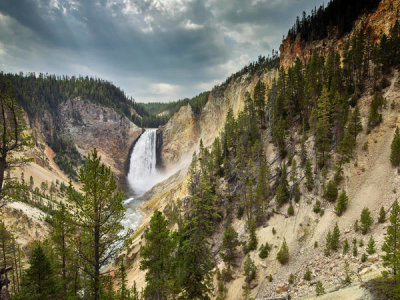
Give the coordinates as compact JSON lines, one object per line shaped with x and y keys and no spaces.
{"x":142,"y":176}
{"x":142,"y":173}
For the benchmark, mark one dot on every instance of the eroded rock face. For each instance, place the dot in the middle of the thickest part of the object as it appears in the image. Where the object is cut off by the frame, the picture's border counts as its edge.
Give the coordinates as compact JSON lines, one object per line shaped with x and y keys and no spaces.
{"x":182,"y":134}
{"x":90,"y":126}
{"x":380,"y":21}
{"x":179,"y":136}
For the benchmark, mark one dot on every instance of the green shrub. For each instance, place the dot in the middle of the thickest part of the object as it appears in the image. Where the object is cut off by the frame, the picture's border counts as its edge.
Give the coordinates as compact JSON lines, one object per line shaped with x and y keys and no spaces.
{"x":331,"y":191}
{"x":319,"y":288}
{"x":307,"y":275}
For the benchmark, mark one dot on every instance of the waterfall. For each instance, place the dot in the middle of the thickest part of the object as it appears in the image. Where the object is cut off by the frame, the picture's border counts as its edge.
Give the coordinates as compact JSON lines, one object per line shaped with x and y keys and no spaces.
{"x":141,"y":177}
{"x":142,"y":173}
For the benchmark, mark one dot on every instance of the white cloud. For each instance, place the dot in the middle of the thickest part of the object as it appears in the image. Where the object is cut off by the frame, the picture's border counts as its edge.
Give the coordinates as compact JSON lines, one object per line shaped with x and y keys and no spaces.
{"x":192,"y":26}
{"x":163,"y":88}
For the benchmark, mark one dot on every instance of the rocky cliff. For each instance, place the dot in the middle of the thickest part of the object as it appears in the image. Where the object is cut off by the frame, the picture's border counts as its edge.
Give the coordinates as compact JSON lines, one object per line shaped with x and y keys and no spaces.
{"x":182,"y":134}
{"x":89,"y":125}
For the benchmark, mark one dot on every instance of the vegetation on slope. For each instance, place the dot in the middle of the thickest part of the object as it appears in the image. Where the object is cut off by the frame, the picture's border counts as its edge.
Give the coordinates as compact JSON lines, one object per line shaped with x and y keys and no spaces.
{"x":337,"y":17}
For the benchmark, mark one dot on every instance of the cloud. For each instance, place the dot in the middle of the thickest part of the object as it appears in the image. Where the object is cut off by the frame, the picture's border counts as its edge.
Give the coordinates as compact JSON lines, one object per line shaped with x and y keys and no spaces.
{"x":166,"y":49}
{"x":163,"y":88}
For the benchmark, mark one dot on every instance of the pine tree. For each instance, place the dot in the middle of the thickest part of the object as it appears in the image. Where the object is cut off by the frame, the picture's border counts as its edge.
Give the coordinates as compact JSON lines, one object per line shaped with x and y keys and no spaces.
{"x":371,"y":246}
{"x":395,"y":154}
{"x":335,"y":238}
{"x":355,"y":125}
{"x":382,"y":215}
{"x":262,"y":191}
{"x":229,"y":244}
{"x":392,"y":242}
{"x":366,"y":220}
{"x":346,"y":246}
{"x":249,"y":270}
{"x":290,"y":209}
{"x":38,"y":281}
{"x":259,"y":102}
{"x":309,"y":176}
{"x":62,"y":231}
{"x":123,"y":292}
{"x":331,"y":191}
{"x":342,"y":203}
{"x":194,"y":257}
{"x":279,"y":135}
{"x":283,"y":253}
{"x":98,"y":213}
{"x":323,"y":128}
{"x":252,"y":244}
{"x":156,"y":257}
{"x":282,"y":191}
{"x":134,"y":292}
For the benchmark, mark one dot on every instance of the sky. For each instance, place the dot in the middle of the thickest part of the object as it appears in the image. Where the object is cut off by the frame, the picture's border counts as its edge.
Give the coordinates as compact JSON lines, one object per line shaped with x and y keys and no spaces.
{"x":154,"y":50}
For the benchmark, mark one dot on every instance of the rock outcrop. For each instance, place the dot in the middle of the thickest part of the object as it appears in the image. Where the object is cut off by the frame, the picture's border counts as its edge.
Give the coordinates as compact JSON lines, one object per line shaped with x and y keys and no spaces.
{"x":89,"y":125}
{"x":380,"y":21}
{"x":182,"y":134}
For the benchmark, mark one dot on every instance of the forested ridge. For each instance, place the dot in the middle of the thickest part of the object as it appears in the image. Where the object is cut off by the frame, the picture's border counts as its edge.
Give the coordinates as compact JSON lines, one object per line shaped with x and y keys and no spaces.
{"x":337,"y":17}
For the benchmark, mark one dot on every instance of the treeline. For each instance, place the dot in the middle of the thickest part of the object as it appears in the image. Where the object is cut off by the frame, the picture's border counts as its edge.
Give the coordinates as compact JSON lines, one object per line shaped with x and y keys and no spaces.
{"x":37,"y":94}
{"x":337,"y":17}
{"x":160,"y":113}
{"x":263,"y":64}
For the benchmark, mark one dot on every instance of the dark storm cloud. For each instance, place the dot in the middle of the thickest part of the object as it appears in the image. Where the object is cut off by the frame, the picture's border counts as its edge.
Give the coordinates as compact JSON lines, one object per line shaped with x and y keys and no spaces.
{"x":161,"y":49}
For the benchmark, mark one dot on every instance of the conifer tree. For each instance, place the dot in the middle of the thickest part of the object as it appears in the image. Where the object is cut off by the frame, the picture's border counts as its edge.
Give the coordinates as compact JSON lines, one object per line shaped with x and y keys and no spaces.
{"x":290,"y":209}
{"x":279,"y":135}
{"x":342,"y":203}
{"x":346,"y":246}
{"x":252,"y":244}
{"x":156,"y":257}
{"x":282,"y":191}
{"x":98,"y":213}
{"x":392,"y":242}
{"x":355,"y":126}
{"x":249,"y":270}
{"x":194,"y":257}
{"x":323,"y":128}
{"x":259,"y":102}
{"x":335,"y":238}
{"x":331,"y":191}
{"x":371,"y":246}
{"x":62,"y":231}
{"x":123,"y":292}
{"x":229,"y":244}
{"x":382,"y":215}
{"x":366,"y":220}
{"x":309,"y":175}
{"x":283,"y":253}
{"x":395,"y":154}
{"x":38,"y":281}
